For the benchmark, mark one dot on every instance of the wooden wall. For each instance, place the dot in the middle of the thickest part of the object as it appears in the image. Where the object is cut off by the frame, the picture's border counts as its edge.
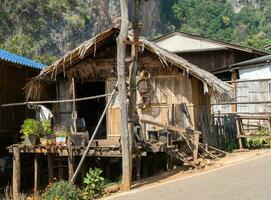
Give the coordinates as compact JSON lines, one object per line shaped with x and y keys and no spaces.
{"x":218,"y":59}
{"x":12,"y":80}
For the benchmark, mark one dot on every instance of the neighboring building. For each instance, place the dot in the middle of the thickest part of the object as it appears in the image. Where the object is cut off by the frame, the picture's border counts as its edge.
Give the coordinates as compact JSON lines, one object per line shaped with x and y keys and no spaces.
{"x":253,"y":85}
{"x":212,"y":55}
{"x":15,"y":70}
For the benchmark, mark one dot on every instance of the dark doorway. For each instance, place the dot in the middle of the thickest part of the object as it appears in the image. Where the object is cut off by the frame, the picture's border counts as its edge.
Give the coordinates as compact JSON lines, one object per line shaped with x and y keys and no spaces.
{"x":91,"y":110}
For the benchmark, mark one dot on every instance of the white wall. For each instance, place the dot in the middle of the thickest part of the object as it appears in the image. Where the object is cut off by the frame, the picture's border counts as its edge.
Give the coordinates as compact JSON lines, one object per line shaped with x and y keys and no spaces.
{"x":179,"y":43}
{"x":255,"y":73}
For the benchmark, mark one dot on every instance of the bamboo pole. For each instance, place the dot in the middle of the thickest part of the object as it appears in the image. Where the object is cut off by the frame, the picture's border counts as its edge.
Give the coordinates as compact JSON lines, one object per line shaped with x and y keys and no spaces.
{"x":55,"y":101}
{"x":93,"y":136}
{"x":121,"y":54}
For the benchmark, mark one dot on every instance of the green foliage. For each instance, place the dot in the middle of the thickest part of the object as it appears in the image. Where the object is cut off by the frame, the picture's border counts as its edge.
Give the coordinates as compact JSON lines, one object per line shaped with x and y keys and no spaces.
{"x":94,"y":184}
{"x":61,"y":190}
{"x":217,"y":19}
{"x":45,"y":30}
{"x":61,"y":132}
{"x":231,"y":145}
{"x":30,"y":127}
{"x":258,"y":142}
{"x":47,"y":127}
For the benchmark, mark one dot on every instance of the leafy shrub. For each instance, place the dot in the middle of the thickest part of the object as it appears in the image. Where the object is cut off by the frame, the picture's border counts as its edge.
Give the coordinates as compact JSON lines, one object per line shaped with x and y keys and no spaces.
{"x":61,"y":190}
{"x":61,"y":131}
{"x":94,"y":184}
{"x":46,"y":127}
{"x":30,"y":127}
{"x":231,"y":145}
{"x":258,"y":142}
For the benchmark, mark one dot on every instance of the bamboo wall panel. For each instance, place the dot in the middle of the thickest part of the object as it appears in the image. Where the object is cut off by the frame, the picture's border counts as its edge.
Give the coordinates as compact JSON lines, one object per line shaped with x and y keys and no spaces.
{"x":167,"y":91}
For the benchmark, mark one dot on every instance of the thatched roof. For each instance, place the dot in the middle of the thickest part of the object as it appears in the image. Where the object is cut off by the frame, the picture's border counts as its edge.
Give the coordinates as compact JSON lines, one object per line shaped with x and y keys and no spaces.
{"x":218,"y":88}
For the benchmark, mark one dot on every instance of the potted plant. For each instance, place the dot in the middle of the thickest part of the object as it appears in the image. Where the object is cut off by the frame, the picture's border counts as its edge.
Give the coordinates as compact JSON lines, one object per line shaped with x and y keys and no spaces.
{"x":61,"y":134}
{"x":47,"y":133}
{"x":30,"y":130}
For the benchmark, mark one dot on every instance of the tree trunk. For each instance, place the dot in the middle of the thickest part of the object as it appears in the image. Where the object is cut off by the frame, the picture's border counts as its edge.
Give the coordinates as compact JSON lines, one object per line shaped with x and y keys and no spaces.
{"x":121,"y":54}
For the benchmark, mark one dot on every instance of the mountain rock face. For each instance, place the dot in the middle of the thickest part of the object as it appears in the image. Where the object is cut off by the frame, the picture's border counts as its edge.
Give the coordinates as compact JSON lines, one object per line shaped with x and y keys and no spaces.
{"x":45,"y":30}
{"x":239,"y":4}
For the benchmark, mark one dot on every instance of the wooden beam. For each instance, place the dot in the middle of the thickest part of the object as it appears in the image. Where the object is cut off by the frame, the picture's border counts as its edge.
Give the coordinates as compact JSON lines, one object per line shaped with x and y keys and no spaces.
{"x":169,"y":127}
{"x":16,"y":180}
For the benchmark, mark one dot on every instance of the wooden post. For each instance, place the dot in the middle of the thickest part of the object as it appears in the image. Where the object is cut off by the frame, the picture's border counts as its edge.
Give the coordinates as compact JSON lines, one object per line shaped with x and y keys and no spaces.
{"x":74,"y":113}
{"x":132,"y":79}
{"x":70,"y":160}
{"x":16,"y":180}
{"x":196,"y":146}
{"x":238,"y":128}
{"x":36,"y":173}
{"x":50,"y":160}
{"x":138,"y":166}
{"x":60,"y":168}
{"x":234,"y":78}
{"x":121,"y":54}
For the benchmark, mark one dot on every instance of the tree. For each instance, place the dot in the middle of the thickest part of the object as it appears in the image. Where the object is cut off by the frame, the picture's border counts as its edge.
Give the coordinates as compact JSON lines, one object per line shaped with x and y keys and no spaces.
{"x":121,"y":54}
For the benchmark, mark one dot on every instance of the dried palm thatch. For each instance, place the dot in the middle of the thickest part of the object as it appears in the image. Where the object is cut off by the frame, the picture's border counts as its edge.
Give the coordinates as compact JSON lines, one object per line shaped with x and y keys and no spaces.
{"x":219,"y":89}
{"x":35,"y":88}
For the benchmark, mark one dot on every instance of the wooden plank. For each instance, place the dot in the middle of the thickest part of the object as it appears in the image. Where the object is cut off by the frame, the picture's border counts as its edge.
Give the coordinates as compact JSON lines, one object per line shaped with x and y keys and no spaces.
{"x":16,"y":180}
{"x":169,"y":127}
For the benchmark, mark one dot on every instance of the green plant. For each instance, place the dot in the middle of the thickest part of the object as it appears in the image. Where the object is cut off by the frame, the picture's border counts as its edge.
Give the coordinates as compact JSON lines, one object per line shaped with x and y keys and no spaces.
{"x":30,"y":127}
{"x":231,"y":145}
{"x":61,"y":132}
{"x":46,"y":127}
{"x":94,"y":184}
{"x":61,"y":190}
{"x":258,"y":142}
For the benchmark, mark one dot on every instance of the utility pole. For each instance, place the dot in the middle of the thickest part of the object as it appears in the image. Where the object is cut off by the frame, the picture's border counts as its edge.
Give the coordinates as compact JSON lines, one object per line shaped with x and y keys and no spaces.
{"x":121,"y":54}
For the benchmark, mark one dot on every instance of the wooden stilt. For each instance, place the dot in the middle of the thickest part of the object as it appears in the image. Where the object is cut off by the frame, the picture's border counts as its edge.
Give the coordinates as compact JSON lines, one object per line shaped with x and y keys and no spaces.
{"x":196,"y":146}
{"x":16,"y":180}
{"x":239,"y":132}
{"x":60,"y":168}
{"x":70,"y":160}
{"x":145,"y":167}
{"x":83,"y":171}
{"x":36,"y":173}
{"x":50,"y":161}
{"x":169,"y":163}
{"x":138,"y":166}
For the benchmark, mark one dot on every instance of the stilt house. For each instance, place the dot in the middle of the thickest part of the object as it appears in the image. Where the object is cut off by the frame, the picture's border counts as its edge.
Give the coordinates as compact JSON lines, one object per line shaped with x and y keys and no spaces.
{"x":170,"y":90}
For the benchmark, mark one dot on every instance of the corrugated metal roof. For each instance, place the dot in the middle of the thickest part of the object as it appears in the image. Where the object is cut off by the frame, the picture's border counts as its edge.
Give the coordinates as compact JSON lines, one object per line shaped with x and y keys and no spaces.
{"x":255,"y":61}
{"x":14,"y":58}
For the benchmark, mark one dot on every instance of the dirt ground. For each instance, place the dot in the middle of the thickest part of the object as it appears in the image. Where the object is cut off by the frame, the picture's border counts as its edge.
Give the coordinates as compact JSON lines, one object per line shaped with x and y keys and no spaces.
{"x":229,"y":159}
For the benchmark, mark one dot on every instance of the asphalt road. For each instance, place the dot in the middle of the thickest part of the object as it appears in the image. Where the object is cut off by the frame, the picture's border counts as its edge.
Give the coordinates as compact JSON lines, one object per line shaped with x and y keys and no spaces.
{"x":249,"y":180}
